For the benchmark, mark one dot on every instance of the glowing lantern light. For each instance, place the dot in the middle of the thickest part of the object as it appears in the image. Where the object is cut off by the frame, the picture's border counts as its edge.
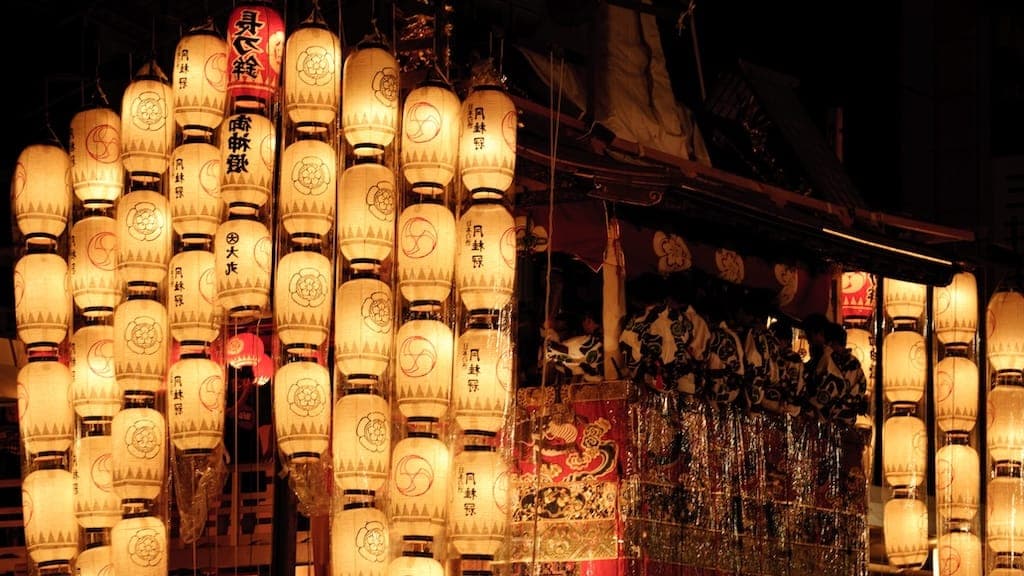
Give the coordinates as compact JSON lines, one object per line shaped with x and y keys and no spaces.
{"x":904,"y":301}
{"x":418,"y":485}
{"x":46,"y":418}
{"x":138,"y":543}
{"x":366,"y":205}
{"x":361,"y":440}
{"x":141,"y":340}
{"x":481,"y":388}
{"x":248,"y":149}
{"x":957,"y":481}
{"x":858,"y":296}
{"x":362,"y":329}
{"x":960,"y":554}
{"x":1005,"y":527}
{"x":92,"y":264}
{"x":200,"y":80}
{"x":41,"y":192}
{"x":42,"y":299}
{"x":430,"y":136}
{"x":244,"y":253}
{"x":861,"y":345}
{"x":1004,"y":344}
{"x":196,"y":205}
{"x":139,"y":454}
{"x":147,"y":126}
{"x":955,"y":310}
{"x":905,"y":369}
{"x":479,"y":502}
{"x":416,"y":559}
{"x":1005,"y":432}
{"x":426,"y":254}
{"x":144,"y":238}
{"x":360,"y":543}
{"x":485,"y":263}
{"x":256,"y":41}
{"x":302,"y":300}
{"x":245,"y":349}
{"x":487,"y":151}
{"x":95,"y":561}
{"x":195,"y":315}
{"x":905,"y":529}
{"x":423,"y":360}
{"x":956,"y":394}
{"x":94,"y":391}
{"x":96,"y":505}
{"x":369,"y":101}
{"x":302,"y":410}
{"x":51,"y":532}
{"x":196,"y":412}
{"x":97,"y":172}
{"x":308,"y":190}
{"x":904,"y":451}
{"x":311,"y":75}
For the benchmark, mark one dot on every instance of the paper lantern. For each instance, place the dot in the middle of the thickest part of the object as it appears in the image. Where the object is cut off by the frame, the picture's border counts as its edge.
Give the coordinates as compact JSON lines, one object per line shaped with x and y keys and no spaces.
{"x":309,"y":187}
{"x":1004,"y":344}
{"x":41,"y":192}
{"x":141,"y":341}
{"x":195,"y":201}
{"x":194,"y":313}
{"x":487,"y":149}
{"x":139,"y":454}
{"x":369,"y":101}
{"x":361,"y":440}
{"x":311,"y":75}
{"x":904,"y":301}
{"x":138,"y":545}
{"x":200,"y":80}
{"x":95,"y":394}
{"x":1005,"y":432}
{"x":957,"y":482}
{"x":363,"y":329}
{"x":46,"y":418}
{"x":302,"y":299}
{"x":424,"y":353}
{"x":360,"y":543}
{"x":196,"y":404}
{"x":905,"y":529}
{"x":244,"y":252}
{"x":478,"y":510}
{"x":144,"y":237}
{"x":96,"y":504}
{"x":482,"y":383}
{"x":95,"y":561}
{"x":960,"y":554}
{"x":416,"y":562}
{"x":42,"y":299}
{"x":51,"y":532}
{"x":857,"y":296}
{"x":955,"y":310}
{"x":302,"y":410}
{"x":485,"y":263}
{"x":426,"y":254}
{"x":244,"y":349}
{"x":366,"y":214}
{"x":861,"y":345}
{"x":956,"y":394}
{"x":92,"y":265}
{"x":904,"y":451}
{"x":256,"y":41}
{"x":418,"y":485}
{"x":904,"y":366}
{"x":147,"y":125}
{"x":97,"y":172}
{"x":1005,"y":515}
{"x":430,"y":136}
{"x":248,"y":152}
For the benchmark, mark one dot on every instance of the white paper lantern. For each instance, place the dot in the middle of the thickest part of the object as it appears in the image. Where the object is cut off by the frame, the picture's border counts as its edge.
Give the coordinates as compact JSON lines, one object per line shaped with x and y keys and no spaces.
{"x":312,"y":68}
{"x":51,"y":532}
{"x":1004,"y":344}
{"x":196,"y":404}
{"x":309,"y":185}
{"x":248,"y":148}
{"x":426,"y":254}
{"x":139,"y":454}
{"x":94,"y":391}
{"x":1005,"y":433}
{"x":244,"y":252}
{"x":96,"y":504}
{"x":956,"y":393}
{"x":200,"y":78}
{"x":196,"y":205}
{"x":92,"y":266}
{"x":415,"y":563}
{"x":41,"y":192}
{"x":302,"y":410}
{"x":1005,"y":515}
{"x":487,"y":151}
{"x":482,"y":384}
{"x":861,"y":345}
{"x":957,"y":482}
{"x":42,"y":299}
{"x":905,"y":529}
{"x":904,"y":301}
{"x":147,"y":124}
{"x":46,"y":418}
{"x":904,"y":451}
{"x":366,"y":214}
{"x":144,"y":237}
{"x":485,"y":263}
{"x":138,"y":546}
{"x":361,"y":440}
{"x":97,"y":173}
{"x":904,"y":366}
{"x":302,"y":299}
{"x":955,"y":310}
{"x":960,"y":555}
{"x":424,"y":353}
{"x":360,"y":543}
{"x":418,"y":485}
{"x":193,"y":311}
{"x":430,"y":136}
{"x":141,"y":345}
{"x":95,"y":561}
{"x":363,"y":328}
{"x":369,"y":105}
{"x":478,"y":510}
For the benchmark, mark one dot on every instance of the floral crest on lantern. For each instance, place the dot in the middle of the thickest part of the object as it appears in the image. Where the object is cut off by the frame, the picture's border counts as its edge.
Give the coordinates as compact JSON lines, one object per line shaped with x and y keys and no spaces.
{"x":672,"y":252}
{"x":308,"y":287}
{"x":376,"y":311}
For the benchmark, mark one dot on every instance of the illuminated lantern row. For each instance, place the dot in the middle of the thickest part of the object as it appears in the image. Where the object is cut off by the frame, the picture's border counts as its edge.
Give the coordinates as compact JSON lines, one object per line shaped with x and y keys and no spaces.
{"x":370,"y":89}
{"x":97,"y":171}
{"x":487,"y":149}
{"x":308,"y":190}
{"x":147,"y":125}
{"x":248,"y":149}
{"x":418,"y":482}
{"x":311,"y":75}
{"x":430,"y":136}
{"x":366,"y":205}
{"x":200,"y":81}
{"x":302,"y":410}
{"x":41,"y":192}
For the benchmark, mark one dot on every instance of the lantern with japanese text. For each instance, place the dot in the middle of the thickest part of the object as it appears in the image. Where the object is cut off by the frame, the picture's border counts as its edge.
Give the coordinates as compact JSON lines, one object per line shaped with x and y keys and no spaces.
{"x":256,"y":42}
{"x":196,"y":205}
{"x":302,"y":410}
{"x":485,"y":262}
{"x":139,"y":545}
{"x":905,"y":529}
{"x":487,"y":149}
{"x":147,"y":124}
{"x":46,"y":418}
{"x":200,"y":80}
{"x":41,"y":192}
{"x":308,"y":190}
{"x":418,"y":485}
{"x":361,"y":440}
{"x":196,"y":403}
{"x":430,"y":136}
{"x":424,"y":352}
{"x":858,"y":296}
{"x":904,"y":301}
{"x":244,"y":252}
{"x":956,"y":393}
{"x":363,"y":328}
{"x":42,"y":299}
{"x":94,"y":391}
{"x":97,"y":172}
{"x":248,"y":151}
{"x":312,"y":75}
{"x":139,"y":454}
{"x":302,"y":300}
{"x":141,"y":341}
{"x":194,"y":314}
{"x":955,"y":310}
{"x":426,"y":249}
{"x":92,"y":264}
{"x":478,"y":510}
{"x":1004,"y":344}
{"x":360,"y":542}
{"x":51,"y":532}
{"x":482,"y":383}
{"x":144,"y":238}
{"x":96,"y":504}
{"x":366,"y":214}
